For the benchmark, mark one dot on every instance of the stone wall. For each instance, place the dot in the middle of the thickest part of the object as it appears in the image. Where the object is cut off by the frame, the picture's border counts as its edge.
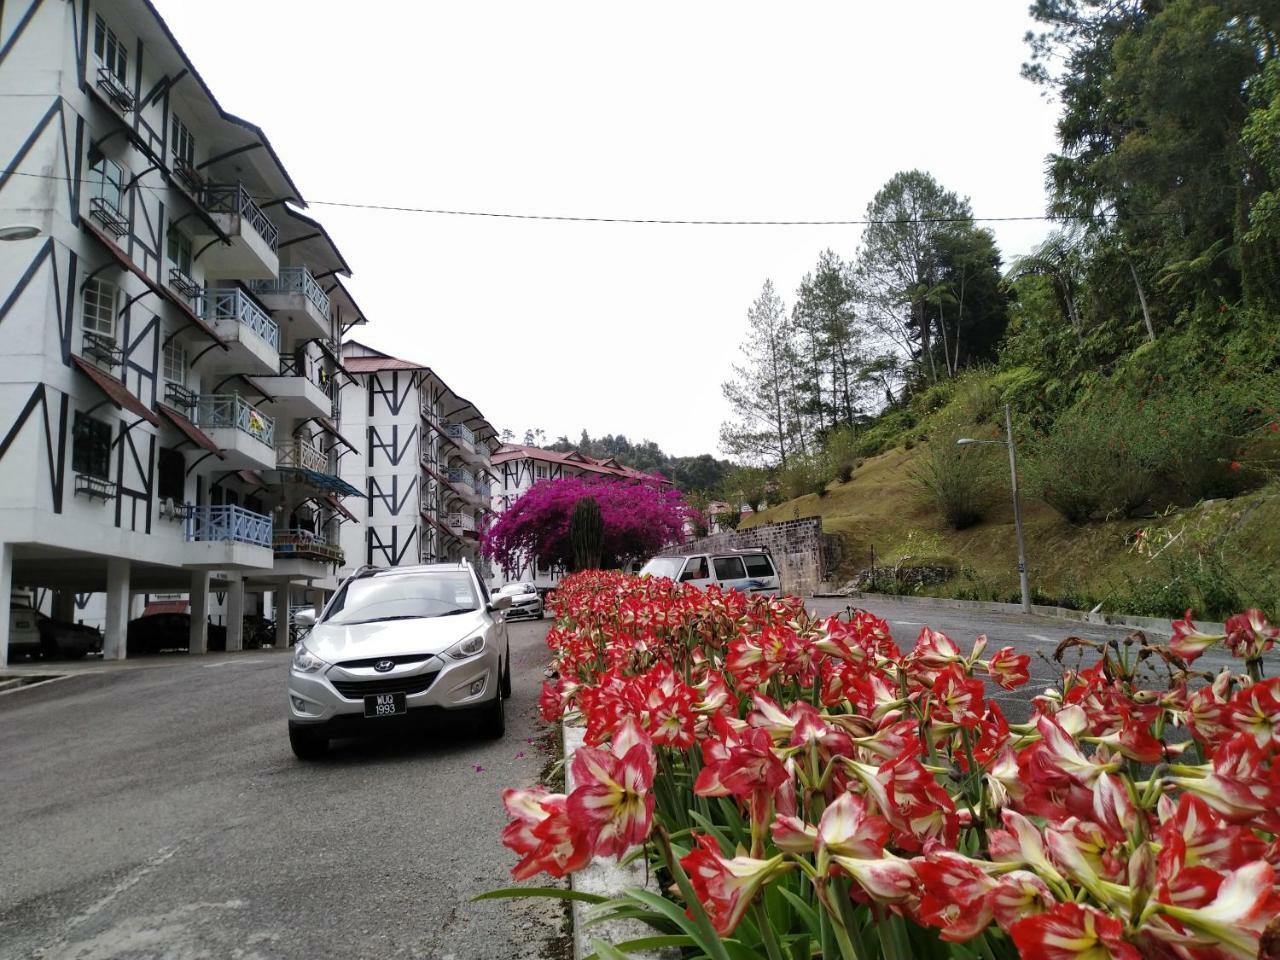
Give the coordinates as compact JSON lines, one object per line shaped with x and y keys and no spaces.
{"x":805,"y":557}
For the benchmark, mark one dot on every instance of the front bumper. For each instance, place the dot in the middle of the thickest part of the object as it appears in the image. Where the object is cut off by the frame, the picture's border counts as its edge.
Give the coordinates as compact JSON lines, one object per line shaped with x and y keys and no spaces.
{"x":334,"y":697}
{"x":525,"y":610}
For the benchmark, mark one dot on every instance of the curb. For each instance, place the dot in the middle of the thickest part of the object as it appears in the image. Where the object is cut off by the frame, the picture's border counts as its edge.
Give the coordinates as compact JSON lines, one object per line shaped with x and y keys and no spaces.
{"x":605,"y":877}
{"x":1149,"y":624}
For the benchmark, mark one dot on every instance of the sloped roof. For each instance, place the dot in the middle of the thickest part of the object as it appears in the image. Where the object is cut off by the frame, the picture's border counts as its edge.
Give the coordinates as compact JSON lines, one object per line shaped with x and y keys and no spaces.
{"x":607,"y":467}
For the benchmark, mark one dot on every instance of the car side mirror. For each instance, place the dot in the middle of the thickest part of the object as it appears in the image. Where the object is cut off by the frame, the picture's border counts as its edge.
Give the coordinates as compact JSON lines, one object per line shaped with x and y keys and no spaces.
{"x":499,"y":603}
{"x":305,"y":618}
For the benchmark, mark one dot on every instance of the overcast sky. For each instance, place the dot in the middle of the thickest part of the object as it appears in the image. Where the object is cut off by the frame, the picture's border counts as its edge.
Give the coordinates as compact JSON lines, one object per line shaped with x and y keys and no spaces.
{"x":716,"y":110}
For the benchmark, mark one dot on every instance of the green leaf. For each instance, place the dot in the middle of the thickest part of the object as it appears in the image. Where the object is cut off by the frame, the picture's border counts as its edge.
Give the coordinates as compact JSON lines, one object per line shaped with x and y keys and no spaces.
{"x":807,"y":913}
{"x":648,"y":943}
{"x":558,"y":893}
{"x":607,"y":952}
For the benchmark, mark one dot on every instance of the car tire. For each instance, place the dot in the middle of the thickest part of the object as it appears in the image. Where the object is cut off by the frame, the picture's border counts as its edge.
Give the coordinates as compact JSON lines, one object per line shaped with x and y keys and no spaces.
{"x":307,"y":745}
{"x":493,"y":719}
{"x":75,"y":654}
{"x":506,"y":678}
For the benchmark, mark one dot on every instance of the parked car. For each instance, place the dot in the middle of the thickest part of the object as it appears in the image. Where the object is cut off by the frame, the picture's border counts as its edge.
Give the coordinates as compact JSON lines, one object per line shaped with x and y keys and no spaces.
{"x":63,"y":638}
{"x":394,"y":647}
{"x":24,"y":630}
{"x":526,"y":601}
{"x":747,"y":570}
{"x":159,"y":632}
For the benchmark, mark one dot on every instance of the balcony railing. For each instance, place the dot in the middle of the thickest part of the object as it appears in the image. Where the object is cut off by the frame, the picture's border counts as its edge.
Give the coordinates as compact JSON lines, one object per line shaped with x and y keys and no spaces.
{"x":102,"y":349}
{"x":301,"y":455}
{"x":461,"y":522}
{"x":213,"y":410}
{"x":182,"y":282}
{"x":179,"y":397}
{"x":298,"y":542}
{"x":234,"y":198}
{"x":295,"y":280}
{"x":460,"y":431}
{"x":484,"y":490}
{"x":291,"y":367}
{"x":229,"y":523}
{"x":460,"y":477}
{"x":189,"y":176}
{"x":233,"y":305}
{"x":108,"y":214}
{"x":95,"y":488}
{"x":115,"y":89}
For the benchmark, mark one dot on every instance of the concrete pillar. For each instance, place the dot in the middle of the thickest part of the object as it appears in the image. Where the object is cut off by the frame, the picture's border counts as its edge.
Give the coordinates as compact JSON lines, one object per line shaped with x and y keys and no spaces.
{"x":6,"y":593}
{"x":235,"y":614}
{"x":199,"y":606}
{"x":281,"y":602}
{"x":116,"y":627}
{"x":64,"y":605}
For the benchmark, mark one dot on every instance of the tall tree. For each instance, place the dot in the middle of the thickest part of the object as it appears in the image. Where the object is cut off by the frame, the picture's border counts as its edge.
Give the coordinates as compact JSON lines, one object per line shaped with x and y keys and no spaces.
{"x":824,"y":311}
{"x":759,"y":392}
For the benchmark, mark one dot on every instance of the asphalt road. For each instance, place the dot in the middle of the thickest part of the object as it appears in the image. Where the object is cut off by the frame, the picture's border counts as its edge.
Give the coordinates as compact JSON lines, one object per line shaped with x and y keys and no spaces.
{"x":158,"y":812}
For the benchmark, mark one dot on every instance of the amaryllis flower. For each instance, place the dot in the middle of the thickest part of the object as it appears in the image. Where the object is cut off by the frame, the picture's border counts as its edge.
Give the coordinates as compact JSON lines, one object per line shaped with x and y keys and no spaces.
{"x":1238,"y":785}
{"x":1009,"y":669}
{"x":1255,"y":710}
{"x":933,"y":652}
{"x":846,"y":828}
{"x":1188,"y":642}
{"x":611,"y":799}
{"x":957,"y":895}
{"x":1071,"y":932}
{"x":740,"y":765}
{"x":955,"y":698}
{"x":726,"y":886}
{"x":1205,"y":838}
{"x":1018,"y":894}
{"x":888,"y":879}
{"x":543,"y":834}
{"x":1245,"y":902}
{"x":1249,"y":635}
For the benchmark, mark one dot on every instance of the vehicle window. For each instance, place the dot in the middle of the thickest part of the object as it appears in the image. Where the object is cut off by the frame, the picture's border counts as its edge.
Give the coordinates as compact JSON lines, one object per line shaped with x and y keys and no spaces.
{"x":696,"y":569}
{"x":759,"y":565}
{"x":372,"y":599}
{"x":729,"y":568}
{"x":662,"y":567}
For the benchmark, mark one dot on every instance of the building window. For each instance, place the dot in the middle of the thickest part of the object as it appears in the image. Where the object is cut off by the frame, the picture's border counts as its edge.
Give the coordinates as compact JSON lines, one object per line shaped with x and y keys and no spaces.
{"x":106,"y":180}
{"x":91,"y":447}
{"x":109,"y":50}
{"x":171,"y":470}
{"x":100,"y":307}
{"x":179,"y":249}
{"x":184,"y":144}
{"x":174,"y":362}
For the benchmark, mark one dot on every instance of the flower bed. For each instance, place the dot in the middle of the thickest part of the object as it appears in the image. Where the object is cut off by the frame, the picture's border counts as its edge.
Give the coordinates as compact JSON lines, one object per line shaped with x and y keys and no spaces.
{"x":805,"y":789}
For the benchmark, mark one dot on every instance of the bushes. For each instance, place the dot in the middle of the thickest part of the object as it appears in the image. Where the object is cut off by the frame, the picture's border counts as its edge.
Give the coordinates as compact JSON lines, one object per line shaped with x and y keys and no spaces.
{"x":841,"y":453}
{"x":803,"y":475}
{"x":956,"y":478}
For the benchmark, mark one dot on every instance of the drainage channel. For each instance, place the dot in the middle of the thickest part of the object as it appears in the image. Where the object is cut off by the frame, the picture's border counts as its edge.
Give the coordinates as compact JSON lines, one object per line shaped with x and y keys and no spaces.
{"x":10,"y":682}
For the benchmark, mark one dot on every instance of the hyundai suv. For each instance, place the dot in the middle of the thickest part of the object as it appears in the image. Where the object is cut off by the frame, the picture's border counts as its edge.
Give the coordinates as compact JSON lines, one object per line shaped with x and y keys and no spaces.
{"x":395,"y":646}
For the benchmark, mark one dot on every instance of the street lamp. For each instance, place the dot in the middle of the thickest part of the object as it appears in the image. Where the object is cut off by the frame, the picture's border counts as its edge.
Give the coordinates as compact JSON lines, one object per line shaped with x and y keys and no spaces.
{"x":1017,"y":508}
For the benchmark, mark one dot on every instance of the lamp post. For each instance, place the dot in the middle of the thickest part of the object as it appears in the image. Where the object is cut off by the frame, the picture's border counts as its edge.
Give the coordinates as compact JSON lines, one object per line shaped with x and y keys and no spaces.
{"x":1017,"y":506}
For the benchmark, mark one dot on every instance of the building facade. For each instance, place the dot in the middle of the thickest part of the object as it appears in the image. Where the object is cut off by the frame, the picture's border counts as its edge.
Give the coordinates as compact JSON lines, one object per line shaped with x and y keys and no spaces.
{"x":169,"y":330}
{"x":425,"y":471}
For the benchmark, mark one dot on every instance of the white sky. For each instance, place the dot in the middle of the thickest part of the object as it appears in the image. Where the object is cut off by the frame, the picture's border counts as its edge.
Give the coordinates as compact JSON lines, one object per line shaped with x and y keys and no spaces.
{"x":718,"y":110}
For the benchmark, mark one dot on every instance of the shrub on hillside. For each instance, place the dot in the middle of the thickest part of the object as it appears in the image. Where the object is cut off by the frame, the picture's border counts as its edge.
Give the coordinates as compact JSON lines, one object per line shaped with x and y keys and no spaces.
{"x":957,"y":479}
{"x":803,"y":475}
{"x":841,"y":453}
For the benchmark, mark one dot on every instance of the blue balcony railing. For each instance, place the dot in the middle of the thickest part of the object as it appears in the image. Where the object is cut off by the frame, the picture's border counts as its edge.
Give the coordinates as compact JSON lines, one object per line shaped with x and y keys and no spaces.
{"x":460,"y":477}
{"x":229,"y":523}
{"x":214,"y":410}
{"x":459,"y":431}
{"x":233,"y":306}
{"x":295,"y":280}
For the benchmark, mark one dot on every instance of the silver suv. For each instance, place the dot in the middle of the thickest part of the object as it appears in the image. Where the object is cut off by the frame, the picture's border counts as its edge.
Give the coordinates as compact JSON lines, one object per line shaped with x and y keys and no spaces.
{"x":395,"y":646}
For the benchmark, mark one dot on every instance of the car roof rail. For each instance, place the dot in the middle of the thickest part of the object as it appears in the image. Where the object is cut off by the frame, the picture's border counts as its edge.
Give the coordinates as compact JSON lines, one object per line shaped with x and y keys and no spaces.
{"x":748,"y":550}
{"x":365,"y":570}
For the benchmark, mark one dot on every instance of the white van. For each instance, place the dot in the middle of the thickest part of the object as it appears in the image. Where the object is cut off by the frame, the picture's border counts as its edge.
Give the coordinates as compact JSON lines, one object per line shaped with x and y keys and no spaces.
{"x":747,"y":570}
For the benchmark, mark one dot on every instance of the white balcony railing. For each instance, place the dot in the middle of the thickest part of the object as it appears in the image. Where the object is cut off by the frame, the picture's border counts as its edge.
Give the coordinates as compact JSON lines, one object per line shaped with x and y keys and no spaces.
{"x":461,"y":522}
{"x":214,"y":410}
{"x":295,"y":280}
{"x":232,"y":305}
{"x":302,"y":455}
{"x":229,"y":523}
{"x":234,"y":198}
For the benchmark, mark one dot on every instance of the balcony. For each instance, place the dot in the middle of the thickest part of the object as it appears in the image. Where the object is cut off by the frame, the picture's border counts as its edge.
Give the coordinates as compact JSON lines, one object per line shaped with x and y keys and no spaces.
{"x":244,"y":434}
{"x":300,"y":455}
{"x":228,"y":537}
{"x":253,"y":337}
{"x":463,"y":439}
{"x":182,"y":282}
{"x":115,"y":89}
{"x":463,"y":479}
{"x":296,"y":297}
{"x":304,"y":554}
{"x":102,"y":350}
{"x":461,"y":524}
{"x":298,"y":392}
{"x":250,"y":253}
{"x":109,"y":215}
{"x":95,"y":488}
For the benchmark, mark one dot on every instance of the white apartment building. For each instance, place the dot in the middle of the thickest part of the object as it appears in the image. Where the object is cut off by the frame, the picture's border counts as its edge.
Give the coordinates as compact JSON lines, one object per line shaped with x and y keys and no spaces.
{"x":169,"y":322}
{"x":517,"y":467}
{"x":426,"y":467}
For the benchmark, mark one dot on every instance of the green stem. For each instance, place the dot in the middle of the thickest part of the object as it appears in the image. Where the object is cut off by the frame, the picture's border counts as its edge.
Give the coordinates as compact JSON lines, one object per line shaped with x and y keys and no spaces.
{"x":766,"y":932}
{"x":715,"y":947}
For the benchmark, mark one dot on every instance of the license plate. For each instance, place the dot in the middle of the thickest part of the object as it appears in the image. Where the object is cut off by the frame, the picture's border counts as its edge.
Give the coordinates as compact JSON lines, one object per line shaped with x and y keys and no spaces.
{"x":384,"y":704}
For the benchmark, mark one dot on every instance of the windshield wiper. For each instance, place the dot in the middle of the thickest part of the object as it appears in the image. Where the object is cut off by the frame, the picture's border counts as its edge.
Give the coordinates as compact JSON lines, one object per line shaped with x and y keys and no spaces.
{"x":398,"y":616}
{"x":450,"y":613}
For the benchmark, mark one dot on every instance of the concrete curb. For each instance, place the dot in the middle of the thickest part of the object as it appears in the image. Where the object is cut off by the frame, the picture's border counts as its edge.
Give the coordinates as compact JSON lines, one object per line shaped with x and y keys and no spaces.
{"x":605,"y":877}
{"x":1148,"y":624}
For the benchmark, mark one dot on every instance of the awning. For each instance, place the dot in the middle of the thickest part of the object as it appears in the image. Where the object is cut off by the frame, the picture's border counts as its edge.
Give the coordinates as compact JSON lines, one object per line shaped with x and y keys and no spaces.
{"x":190,"y":430}
{"x":251,"y":477}
{"x":327,"y":425}
{"x":115,"y":391}
{"x":321,"y":481}
{"x":165,"y":606}
{"x":334,"y":504}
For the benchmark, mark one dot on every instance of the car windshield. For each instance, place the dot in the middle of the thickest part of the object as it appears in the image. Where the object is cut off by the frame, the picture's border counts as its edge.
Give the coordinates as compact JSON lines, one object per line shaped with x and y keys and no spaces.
{"x":514,"y":589}
{"x":406,"y":597}
{"x":663,"y":567}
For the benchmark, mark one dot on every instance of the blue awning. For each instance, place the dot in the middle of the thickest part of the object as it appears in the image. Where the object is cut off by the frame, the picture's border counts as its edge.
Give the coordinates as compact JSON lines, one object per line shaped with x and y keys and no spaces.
{"x":321,"y":481}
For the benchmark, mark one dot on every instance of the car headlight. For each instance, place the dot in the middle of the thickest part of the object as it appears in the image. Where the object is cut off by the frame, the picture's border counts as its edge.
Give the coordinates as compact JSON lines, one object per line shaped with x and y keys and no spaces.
{"x":304,"y":661}
{"x":467,"y":648}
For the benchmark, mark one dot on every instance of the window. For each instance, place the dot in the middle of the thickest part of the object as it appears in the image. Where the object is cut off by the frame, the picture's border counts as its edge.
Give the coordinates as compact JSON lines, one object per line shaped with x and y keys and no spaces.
{"x":254,"y":504}
{"x":179,"y":249}
{"x":696,"y":569}
{"x":184,"y":144}
{"x":171,"y":469}
{"x":109,"y":50}
{"x":402,"y":597}
{"x":106,"y":180}
{"x":729,"y":568}
{"x":758,"y":565}
{"x":100,"y":307}
{"x":174,"y":362}
{"x":91,"y":447}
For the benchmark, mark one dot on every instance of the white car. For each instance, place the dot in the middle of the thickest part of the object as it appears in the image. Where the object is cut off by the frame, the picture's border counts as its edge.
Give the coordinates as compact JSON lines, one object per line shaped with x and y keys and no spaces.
{"x":746,"y":570}
{"x":24,"y":629}
{"x":526,"y":601}
{"x":398,"y":646}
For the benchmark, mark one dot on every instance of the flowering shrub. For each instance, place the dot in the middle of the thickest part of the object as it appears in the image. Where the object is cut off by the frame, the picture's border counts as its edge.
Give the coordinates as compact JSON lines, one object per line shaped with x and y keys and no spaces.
{"x":639,"y":520}
{"x":806,"y":789}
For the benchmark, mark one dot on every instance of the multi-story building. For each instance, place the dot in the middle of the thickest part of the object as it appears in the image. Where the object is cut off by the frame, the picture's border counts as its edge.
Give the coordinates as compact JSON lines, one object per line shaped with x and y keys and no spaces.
{"x":169,"y":323}
{"x":517,"y":467}
{"x":426,"y":468}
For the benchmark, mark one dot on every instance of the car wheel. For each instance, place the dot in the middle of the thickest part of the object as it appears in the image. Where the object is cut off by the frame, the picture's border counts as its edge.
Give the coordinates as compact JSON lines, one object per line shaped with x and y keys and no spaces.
{"x":506,"y":678}
{"x":75,"y":654}
{"x":307,"y":745}
{"x":493,"y":719}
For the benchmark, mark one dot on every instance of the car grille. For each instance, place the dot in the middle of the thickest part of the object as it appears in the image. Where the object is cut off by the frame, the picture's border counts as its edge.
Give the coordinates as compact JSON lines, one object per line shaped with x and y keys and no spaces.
{"x":399,"y":660}
{"x":358,"y":689}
